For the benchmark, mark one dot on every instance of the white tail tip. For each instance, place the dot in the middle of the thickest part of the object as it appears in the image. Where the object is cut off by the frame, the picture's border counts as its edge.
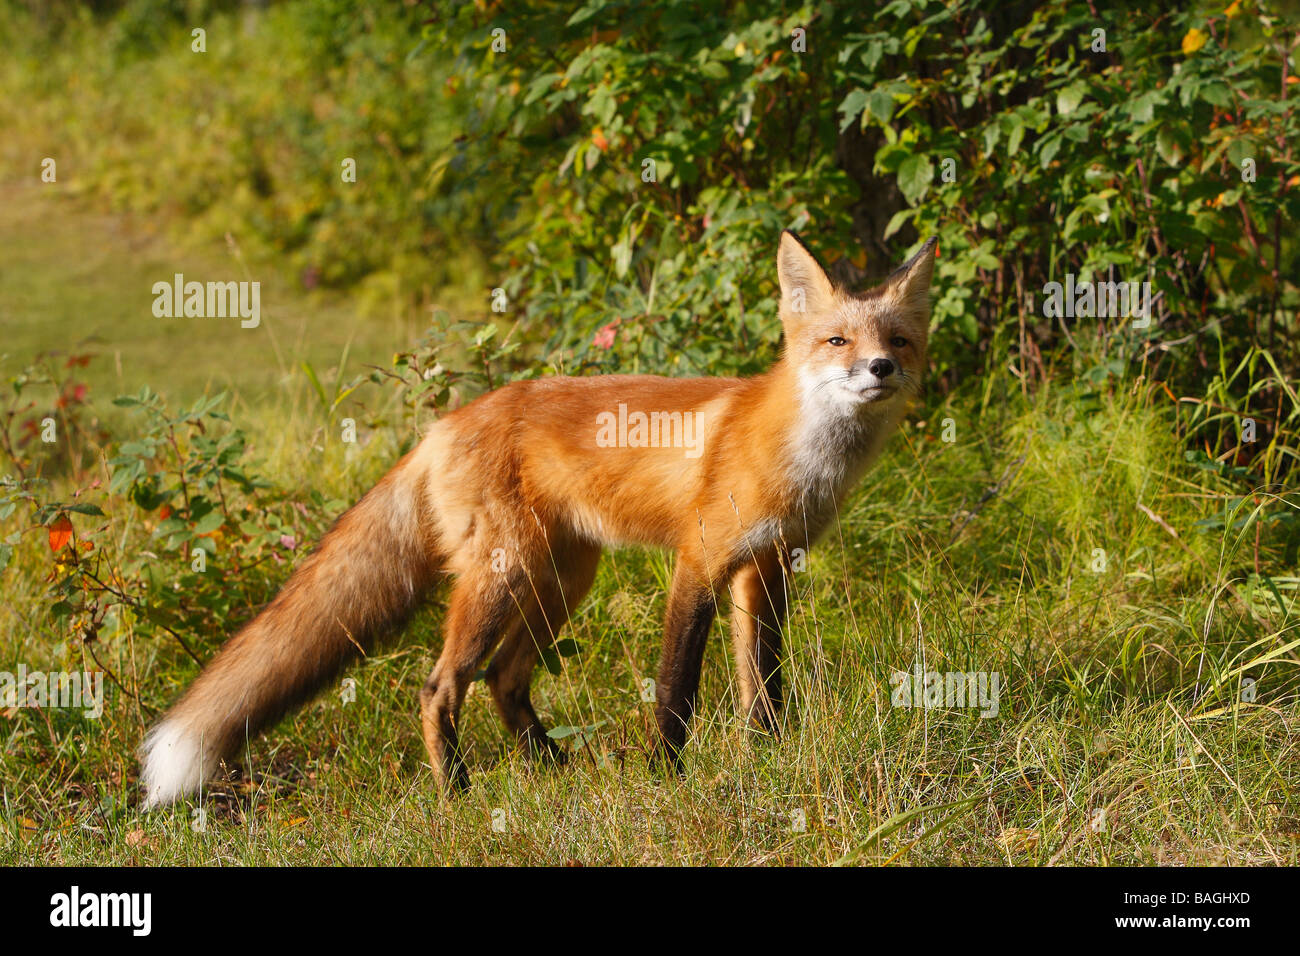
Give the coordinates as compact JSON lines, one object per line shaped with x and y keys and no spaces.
{"x":174,"y":764}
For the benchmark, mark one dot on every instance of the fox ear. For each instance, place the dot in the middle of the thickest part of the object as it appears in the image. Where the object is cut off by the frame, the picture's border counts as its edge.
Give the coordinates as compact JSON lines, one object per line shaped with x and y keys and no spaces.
{"x":909,"y":285}
{"x":805,"y":287}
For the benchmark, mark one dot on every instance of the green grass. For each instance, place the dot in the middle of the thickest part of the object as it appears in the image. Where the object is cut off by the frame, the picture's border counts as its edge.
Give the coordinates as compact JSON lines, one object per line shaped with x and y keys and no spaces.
{"x":1122,"y":687}
{"x":78,"y":281}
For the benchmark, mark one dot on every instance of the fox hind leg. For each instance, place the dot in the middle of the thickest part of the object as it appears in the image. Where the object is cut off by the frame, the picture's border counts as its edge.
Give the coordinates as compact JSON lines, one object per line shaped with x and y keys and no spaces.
{"x":480,"y":610}
{"x":509,"y":676}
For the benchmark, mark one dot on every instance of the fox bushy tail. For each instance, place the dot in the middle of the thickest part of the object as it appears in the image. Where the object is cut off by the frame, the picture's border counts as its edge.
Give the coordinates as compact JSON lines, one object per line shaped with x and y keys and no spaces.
{"x":362,"y":582}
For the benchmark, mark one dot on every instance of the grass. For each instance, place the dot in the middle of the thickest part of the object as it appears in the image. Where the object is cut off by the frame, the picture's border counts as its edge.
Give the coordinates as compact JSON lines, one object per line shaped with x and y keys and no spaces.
{"x":94,"y":272}
{"x":1140,"y":616}
{"x":1123,"y":735}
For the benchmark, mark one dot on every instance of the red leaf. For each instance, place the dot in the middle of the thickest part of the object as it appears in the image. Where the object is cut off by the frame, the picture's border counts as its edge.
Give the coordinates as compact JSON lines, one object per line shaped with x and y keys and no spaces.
{"x":60,"y":532}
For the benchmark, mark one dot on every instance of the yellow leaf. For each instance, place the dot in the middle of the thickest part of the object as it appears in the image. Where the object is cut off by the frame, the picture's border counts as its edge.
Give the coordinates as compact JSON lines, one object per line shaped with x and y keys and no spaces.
{"x":1233,"y":9}
{"x":1194,"y":40}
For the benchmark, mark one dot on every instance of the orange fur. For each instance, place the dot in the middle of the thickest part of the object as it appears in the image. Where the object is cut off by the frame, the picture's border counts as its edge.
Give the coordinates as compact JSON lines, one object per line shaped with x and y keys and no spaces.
{"x":516,"y":493}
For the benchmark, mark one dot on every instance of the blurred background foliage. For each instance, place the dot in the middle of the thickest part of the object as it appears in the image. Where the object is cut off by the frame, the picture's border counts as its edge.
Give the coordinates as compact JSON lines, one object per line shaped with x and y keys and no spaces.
{"x":622,"y":170}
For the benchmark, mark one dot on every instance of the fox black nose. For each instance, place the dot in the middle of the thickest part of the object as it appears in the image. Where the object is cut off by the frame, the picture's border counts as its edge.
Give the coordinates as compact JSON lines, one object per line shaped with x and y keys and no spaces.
{"x":881,"y":367}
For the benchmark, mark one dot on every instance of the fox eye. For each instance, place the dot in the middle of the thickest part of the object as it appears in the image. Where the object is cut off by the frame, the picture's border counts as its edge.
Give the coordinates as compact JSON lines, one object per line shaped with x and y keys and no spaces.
{"x":898,"y":341}
{"x":836,"y":341}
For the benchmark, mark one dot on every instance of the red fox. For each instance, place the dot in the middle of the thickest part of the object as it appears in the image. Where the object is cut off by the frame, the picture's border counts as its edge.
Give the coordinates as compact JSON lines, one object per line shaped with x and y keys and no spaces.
{"x":516,"y":493}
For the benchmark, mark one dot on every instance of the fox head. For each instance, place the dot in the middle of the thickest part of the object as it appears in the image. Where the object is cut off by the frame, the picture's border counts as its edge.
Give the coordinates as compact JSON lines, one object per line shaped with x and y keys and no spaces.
{"x":854,"y":352}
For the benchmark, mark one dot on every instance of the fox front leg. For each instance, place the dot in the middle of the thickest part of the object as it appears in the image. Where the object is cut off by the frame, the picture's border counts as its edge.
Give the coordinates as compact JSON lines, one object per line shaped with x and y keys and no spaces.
{"x":691,"y":609}
{"x":760,"y":598}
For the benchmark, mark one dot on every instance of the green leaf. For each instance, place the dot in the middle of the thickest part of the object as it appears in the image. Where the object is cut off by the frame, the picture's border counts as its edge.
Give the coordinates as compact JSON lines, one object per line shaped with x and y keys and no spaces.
{"x":851,"y":107}
{"x":170,"y":526}
{"x":881,"y":105}
{"x":968,"y":327}
{"x":991,"y":133}
{"x":1048,"y":150}
{"x":897,"y":220}
{"x":551,"y":661}
{"x":1143,"y":107}
{"x":914,"y":177}
{"x":586,"y":13}
{"x":1069,"y":97}
{"x":1013,"y":141}
{"x":1216,"y":94}
{"x":209,"y":522}
{"x":1168,"y":147}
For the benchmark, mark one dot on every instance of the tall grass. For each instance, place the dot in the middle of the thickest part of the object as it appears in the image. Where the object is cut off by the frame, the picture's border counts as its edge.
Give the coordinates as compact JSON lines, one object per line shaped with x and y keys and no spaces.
{"x":1128,"y":730}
